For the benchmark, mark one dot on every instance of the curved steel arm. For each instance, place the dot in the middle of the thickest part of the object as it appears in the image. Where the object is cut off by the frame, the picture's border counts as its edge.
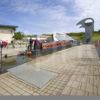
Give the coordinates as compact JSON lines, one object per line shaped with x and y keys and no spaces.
{"x":82,"y":22}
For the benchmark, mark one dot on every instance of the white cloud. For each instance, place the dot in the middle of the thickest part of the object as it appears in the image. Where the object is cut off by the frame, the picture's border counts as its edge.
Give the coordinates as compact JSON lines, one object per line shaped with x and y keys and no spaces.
{"x":56,"y":18}
{"x":89,"y":8}
{"x":21,"y":6}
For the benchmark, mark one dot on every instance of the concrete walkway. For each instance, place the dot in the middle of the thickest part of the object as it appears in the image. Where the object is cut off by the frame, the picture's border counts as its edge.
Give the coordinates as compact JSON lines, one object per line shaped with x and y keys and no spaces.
{"x":78,"y":74}
{"x":12,"y":51}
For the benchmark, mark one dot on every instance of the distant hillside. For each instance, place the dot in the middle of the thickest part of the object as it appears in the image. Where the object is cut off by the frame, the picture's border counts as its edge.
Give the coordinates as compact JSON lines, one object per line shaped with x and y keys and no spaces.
{"x":80,"y":36}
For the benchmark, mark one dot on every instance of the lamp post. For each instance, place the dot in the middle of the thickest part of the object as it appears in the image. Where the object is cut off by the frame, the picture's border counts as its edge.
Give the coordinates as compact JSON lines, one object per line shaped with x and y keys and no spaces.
{"x":1,"y":46}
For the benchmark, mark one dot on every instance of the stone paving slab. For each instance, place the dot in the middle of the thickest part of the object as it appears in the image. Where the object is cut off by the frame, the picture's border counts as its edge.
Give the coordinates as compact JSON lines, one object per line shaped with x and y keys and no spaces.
{"x":77,"y":69}
{"x":35,"y":76}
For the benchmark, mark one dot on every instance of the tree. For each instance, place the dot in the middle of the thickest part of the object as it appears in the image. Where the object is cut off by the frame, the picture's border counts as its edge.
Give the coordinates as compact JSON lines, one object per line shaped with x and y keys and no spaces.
{"x":18,"y":35}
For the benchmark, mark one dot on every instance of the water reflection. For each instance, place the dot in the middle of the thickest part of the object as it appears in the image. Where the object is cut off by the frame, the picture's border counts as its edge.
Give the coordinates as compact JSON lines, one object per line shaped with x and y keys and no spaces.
{"x":21,"y":59}
{"x":14,"y":61}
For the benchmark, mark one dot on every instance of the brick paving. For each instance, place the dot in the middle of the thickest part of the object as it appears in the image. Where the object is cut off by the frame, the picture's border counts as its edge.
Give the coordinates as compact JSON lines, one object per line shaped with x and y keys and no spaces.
{"x":78,"y":74}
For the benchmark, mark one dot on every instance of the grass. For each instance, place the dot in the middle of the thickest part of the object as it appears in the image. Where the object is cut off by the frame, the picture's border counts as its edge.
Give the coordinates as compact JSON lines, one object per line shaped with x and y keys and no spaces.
{"x":80,"y":36}
{"x":96,"y":36}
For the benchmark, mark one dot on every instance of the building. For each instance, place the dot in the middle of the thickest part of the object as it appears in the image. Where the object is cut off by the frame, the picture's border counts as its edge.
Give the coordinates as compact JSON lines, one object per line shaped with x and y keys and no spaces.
{"x":62,"y":36}
{"x":26,"y":39}
{"x":7,"y":32}
{"x":58,"y":37}
{"x":47,"y":37}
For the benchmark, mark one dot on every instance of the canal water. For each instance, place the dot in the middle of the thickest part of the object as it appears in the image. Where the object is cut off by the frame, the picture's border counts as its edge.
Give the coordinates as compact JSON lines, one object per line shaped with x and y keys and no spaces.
{"x":17,"y":60}
{"x":14,"y":61}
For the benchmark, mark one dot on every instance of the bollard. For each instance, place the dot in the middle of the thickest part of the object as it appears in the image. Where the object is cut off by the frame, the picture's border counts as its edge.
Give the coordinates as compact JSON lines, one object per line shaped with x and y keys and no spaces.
{"x":1,"y":68}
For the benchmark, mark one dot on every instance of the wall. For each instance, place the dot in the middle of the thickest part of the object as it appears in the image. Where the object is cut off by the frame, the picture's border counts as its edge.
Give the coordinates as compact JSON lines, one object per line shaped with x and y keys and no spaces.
{"x":6,"y":34}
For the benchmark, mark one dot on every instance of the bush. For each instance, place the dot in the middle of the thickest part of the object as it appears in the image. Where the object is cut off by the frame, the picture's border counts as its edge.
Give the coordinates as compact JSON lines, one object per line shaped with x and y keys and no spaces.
{"x":18,"y":36}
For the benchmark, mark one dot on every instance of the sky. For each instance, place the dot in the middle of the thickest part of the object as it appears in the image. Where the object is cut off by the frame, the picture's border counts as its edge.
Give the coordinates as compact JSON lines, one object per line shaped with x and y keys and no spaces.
{"x":48,"y":16}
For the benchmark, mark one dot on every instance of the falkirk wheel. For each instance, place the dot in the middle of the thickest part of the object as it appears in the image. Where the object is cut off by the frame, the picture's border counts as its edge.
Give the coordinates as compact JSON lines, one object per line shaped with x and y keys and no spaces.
{"x":88,"y":24}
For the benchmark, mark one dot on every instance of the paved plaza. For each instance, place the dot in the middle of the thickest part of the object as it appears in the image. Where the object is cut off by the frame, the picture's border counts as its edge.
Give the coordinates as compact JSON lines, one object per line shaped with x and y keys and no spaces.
{"x":77,"y":69}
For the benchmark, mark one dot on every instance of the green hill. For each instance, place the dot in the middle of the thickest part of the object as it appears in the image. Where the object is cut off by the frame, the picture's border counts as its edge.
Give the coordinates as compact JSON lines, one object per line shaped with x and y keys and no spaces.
{"x":80,"y":36}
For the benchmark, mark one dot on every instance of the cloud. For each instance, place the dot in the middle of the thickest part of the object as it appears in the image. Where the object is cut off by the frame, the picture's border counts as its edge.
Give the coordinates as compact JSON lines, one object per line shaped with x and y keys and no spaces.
{"x":50,"y":15}
{"x":52,"y":18}
{"x":89,"y":8}
{"x":24,"y":6}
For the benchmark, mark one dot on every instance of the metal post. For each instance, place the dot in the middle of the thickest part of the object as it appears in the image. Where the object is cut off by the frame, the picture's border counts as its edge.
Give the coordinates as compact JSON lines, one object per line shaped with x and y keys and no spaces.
{"x":1,"y":58}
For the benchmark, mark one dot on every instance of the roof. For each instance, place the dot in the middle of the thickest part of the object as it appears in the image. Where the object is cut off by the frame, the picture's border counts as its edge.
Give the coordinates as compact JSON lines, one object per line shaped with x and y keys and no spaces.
{"x":60,"y":37}
{"x":8,"y":26}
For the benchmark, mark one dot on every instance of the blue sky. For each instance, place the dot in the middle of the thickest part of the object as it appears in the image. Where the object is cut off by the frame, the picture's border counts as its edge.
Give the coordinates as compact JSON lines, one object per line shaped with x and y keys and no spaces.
{"x":48,"y":16}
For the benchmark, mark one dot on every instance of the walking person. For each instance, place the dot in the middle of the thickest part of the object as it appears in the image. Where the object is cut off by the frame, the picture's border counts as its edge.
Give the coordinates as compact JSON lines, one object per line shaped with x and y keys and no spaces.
{"x":30,"y":44}
{"x":12,"y":43}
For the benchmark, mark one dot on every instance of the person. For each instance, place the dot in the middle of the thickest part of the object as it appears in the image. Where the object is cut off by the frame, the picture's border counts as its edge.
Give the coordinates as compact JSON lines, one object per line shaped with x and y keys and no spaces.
{"x":1,"y":45}
{"x":12,"y":43}
{"x":37,"y":45}
{"x":30,"y":44}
